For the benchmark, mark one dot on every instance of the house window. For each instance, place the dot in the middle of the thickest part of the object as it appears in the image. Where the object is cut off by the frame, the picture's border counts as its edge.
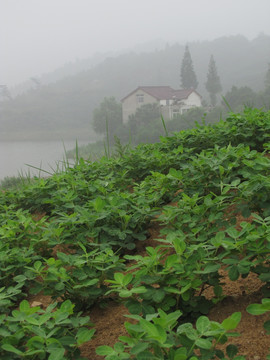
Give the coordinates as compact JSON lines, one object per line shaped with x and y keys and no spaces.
{"x":184,"y":110}
{"x":175,"y":113}
{"x":140,"y":98}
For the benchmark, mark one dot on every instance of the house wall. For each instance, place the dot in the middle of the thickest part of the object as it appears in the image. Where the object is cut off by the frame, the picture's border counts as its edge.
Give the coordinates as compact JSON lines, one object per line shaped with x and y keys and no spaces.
{"x":166,"y":112}
{"x":131,"y":103}
{"x":166,"y":102}
{"x":194,"y":100}
{"x":174,"y":109}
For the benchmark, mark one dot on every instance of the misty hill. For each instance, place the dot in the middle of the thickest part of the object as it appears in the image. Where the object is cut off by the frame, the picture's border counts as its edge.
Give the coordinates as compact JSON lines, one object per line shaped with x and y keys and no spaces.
{"x":64,"y":108}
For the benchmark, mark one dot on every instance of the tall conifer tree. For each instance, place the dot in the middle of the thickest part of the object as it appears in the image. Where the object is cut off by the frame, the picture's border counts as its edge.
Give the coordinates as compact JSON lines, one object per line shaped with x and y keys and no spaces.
{"x":213,"y":85}
{"x":187,"y":74}
{"x":267,"y":78}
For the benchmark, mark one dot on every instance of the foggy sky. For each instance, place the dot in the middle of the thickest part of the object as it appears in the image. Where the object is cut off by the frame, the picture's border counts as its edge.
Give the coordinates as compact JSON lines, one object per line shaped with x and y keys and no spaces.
{"x":37,"y":36}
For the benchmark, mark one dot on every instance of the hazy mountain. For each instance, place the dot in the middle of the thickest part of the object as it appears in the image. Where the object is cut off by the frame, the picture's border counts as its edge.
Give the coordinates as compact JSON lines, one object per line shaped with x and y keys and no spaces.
{"x":65,"y":99}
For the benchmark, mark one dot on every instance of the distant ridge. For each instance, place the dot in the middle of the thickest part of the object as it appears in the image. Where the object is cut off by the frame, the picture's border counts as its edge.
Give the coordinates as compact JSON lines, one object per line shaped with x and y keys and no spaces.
{"x":68,"y":102}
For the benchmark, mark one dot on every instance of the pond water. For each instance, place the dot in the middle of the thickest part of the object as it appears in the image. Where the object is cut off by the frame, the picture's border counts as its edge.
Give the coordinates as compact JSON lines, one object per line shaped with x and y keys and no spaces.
{"x":15,"y":155}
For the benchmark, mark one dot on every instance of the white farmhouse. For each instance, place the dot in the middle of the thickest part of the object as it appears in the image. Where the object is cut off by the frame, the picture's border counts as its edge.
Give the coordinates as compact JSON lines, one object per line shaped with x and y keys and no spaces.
{"x":172,"y":102}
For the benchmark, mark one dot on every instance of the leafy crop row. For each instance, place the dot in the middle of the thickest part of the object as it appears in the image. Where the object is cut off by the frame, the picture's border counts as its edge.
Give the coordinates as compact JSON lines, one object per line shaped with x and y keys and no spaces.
{"x":73,"y":236}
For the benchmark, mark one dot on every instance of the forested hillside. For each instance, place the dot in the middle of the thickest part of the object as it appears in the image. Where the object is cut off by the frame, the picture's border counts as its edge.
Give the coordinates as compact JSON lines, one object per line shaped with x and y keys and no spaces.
{"x":65,"y":106}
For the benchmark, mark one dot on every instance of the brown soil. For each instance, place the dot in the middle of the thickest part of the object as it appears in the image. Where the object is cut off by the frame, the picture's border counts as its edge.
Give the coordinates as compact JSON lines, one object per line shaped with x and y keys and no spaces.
{"x":253,"y":342}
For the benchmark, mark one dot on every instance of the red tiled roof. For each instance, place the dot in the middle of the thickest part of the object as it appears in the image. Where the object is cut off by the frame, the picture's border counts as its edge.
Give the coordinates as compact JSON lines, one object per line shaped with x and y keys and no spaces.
{"x":163,"y":92}
{"x":184,"y":93}
{"x":158,"y":92}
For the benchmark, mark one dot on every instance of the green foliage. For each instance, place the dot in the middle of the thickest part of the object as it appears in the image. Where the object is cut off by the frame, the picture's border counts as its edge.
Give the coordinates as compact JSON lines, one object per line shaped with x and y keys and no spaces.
{"x":74,"y":236}
{"x":158,"y":336}
{"x":238,"y":97}
{"x":267,"y":78}
{"x":109,"y":112}
{"x":187,"y":74}
{"x":10,"y":182}
{"x":143,"y":116}
{"x":30,"y":332}
{"x":213,"y":85}
{"x":77,"y":277}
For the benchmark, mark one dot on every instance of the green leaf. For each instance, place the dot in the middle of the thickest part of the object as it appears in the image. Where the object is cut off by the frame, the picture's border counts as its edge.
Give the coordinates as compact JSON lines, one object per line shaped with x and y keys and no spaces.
{"x":67,"y":306}
{"x":159,"y":295}
{"x":233,"y":273}
{"x":179,"y":245}
{"x":67,"y":340}
{"x":24,"y":306}
{"x":20,"y":278}
{"x":172,"y":290}
{"x":235,"y":182}
{"x":139,"y":348}
{"x":180,"y":354}
{"x":220,"y":354}
{"x":203,"y":324}
{"x":134,"y":307}
{"x":185,"y":288}
{"x":154,"y":331}
{"x":119,"y":347}
{"x":127,"y":279}
{"x":36,"y":289}
{"x":36,"y":341}
{"x":232,"y":321}
{"x":232,"y":232}
{"x":266,"y":325}
{"x":32,"y":320}
{"x":257,"y":309}
{"x":221,"y":170}
{"x":266,"y":303}
{"x":139,"y":290}
{"x":210,"y":268}
{"x":37,"y":265}
{"x":87,"y":283}
{"x":84,"y":335}
{"x":99,"y":204}
{"x":4,"y":333}
{"x":11,"y":348}
{"x":203,"y":344}
{"x":187,"y":329}
{"x":171,"y":260}
{"x":105,"y":350}
{"x":57,"y":354}
{"x":231,"y":351}
{"x":218,"y":290}
{"x":118,"y":277}
{"x":125,"y":293}
{"x":265,"y":277}
{"x":145,"y":355}
{"x":176,"y":174}
{"x":130,"y":246}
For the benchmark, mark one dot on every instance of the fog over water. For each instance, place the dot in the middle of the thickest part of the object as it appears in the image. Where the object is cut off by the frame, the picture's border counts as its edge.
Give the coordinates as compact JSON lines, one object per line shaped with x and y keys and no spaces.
{"x":14,"y":155}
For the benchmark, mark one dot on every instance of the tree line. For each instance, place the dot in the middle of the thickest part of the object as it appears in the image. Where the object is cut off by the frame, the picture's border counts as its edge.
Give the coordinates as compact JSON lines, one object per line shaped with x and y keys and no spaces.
{"x":145,"y":124}
{"x":189,"y":79}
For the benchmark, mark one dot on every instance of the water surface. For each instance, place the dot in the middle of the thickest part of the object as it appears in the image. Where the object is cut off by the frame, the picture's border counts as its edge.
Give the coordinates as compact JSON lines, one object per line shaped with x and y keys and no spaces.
{"x":14,"y":155}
